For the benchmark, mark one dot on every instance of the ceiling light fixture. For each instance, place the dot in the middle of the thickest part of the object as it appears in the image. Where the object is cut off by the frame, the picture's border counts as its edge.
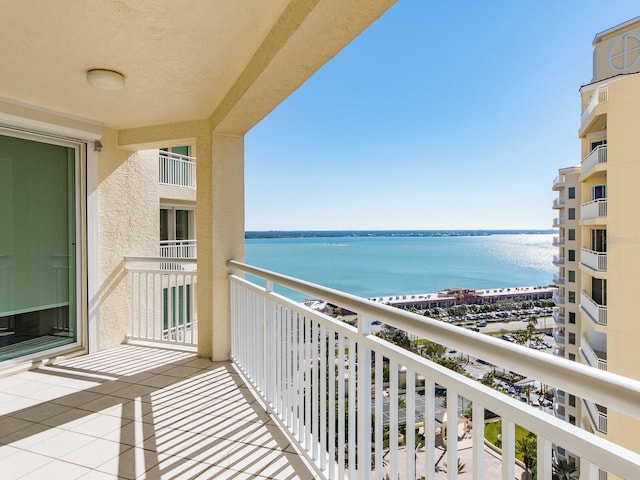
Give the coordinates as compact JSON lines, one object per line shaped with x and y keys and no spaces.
{"x":105,"y":79}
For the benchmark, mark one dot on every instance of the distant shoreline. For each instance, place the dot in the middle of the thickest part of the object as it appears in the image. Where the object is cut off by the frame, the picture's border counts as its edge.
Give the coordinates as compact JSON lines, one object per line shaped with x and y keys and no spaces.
{"x":386,"y":233}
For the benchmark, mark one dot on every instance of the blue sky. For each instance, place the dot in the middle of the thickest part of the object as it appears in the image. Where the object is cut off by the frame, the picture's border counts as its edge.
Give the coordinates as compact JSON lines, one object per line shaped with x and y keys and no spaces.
{"x":442,"y":115}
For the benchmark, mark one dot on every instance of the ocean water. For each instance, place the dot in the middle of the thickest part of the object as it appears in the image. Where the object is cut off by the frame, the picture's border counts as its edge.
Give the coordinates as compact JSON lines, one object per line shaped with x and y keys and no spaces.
{"x":393,"y":265}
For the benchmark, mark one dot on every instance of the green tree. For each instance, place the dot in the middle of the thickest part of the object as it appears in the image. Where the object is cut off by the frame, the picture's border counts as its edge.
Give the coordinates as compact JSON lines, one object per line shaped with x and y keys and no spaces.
{"x":564,"y":470}
{"x":527,"y":448}
{"x":531,"y":328}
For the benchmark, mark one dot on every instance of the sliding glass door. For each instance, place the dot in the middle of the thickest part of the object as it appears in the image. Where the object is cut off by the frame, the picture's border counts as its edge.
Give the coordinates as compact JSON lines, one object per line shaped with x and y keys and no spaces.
{"x":38,"y":296}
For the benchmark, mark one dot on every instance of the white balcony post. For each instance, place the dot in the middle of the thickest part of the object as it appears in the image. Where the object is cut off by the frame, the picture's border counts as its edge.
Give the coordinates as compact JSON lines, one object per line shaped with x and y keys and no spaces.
{"x":478,"y":442}
{"x":364,"y":399}
{"x":508,"y":449}
{"x":452,"y":434}
{"x":543,"y":459}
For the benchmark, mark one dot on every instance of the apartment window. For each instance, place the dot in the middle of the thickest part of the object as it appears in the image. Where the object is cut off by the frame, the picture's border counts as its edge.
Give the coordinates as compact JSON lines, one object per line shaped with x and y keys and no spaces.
{"x":572,"y":400}
{"x":572,"y":192}
{"x":572,"y":339}
{"x":572,"y":255}
{"x":572,"y":275}
{"x":572,"y":297}
{"x":572,"y":317}
{"x":572,"y":214}
{"x":572,"y":234}
{"x":572,"y":420}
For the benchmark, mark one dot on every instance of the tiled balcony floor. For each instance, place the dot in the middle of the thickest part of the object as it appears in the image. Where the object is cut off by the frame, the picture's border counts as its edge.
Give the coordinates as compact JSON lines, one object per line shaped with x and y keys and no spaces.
{"x":139,"y":413}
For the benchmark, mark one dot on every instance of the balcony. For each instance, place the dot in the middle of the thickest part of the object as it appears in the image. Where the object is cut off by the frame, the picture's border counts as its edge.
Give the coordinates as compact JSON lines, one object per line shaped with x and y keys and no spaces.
{"x":596,"y":261}
{"x":557,"y":299}
{"x":597,"y":312}
{"x":145,"y":412}
{"x":558,"y":182}
{"x":559,"y":411}
{"x":558,"y":280}
{"x":600,"y":97}
{"x":558,"y":202}
{"x":594,"y":162}
{"x":594,"y":209}
{"x":179,"y":249}
{"x":594,"y":358}
{"x":177,"y":170}
{"x":558,"y":260}
{"x":557,"y":241}
{"x":557,"y":317}
{"x":558,"y":335}
{"x":559,"y":222}
{"x":559,"y":396}
{"x":597,"y":415}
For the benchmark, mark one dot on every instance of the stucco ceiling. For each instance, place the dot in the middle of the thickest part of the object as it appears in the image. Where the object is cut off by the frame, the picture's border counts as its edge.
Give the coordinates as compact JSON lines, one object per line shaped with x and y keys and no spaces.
{"x":183,"y":59}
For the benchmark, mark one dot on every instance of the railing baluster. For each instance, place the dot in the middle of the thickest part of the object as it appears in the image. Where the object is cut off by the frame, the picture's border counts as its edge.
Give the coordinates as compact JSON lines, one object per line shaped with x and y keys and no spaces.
{"x":543,"y":459}
{"x":393,"y":417}
{"x":410,"y":422}
{"x":452,"y":434}
{"x":379,"y":416}
{"x":351,"y":402}
{"x":478,"y":441}
{"x":508,"y":449}
{"x":341,"y":417}
{"x":332,"y":404}
{"x":430,"y":427}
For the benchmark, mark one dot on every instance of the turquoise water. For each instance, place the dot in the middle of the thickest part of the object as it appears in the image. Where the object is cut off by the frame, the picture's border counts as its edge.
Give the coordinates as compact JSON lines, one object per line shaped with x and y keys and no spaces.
{"x":375,"y":266}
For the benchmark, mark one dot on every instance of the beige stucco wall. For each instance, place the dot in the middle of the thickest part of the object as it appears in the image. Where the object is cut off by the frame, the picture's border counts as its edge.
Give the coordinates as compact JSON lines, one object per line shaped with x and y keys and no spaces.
{"x":128,"y":226}
{"x":605,"y":62}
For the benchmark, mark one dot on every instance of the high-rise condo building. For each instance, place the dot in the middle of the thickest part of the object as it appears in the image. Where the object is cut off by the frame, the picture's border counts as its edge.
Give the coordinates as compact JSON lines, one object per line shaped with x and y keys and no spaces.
{"x":599,"y":233}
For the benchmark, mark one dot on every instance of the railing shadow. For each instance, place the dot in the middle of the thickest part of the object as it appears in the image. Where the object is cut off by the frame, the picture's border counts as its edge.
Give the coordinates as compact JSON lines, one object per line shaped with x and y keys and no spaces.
{"x":180,"y":415}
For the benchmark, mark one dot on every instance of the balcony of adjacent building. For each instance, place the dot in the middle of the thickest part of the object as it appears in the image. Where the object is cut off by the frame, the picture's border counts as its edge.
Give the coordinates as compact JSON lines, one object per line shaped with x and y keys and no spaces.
{"x":559,"y":202}
{"x":557,"y":296}
{"x":558,"y":316}
{"x":558,"y":335}
{"x":559,"y":396}
{"x":596,"y":311}
{"x":558,"y":259}
{"x":593,"y":211}
{"x":558,"y":241}
{"x":559,"y":222}
{"x":594,"y":261}
{"x":558,"y":279}
{"x":597,"y":415}
{"x":140,"y":411}
{"x":559,"y":182}
{"x":593,"y":116}
{"x":594,"y":164}
{"x":594,"y":357}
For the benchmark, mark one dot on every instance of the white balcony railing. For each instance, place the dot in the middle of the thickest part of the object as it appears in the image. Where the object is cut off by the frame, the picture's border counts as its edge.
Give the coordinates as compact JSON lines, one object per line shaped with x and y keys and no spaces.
{"x":559,"y":396}
{"x":595,"y":157}
{"x":177,"y":170}
{"x":558,"y":260}
{"x":597,"y":415}
{"x":594,"y":260}
{"x":164,"y":300}
{"x":600,"y":96}
{"x":559,"y":181}
{"x":558,"y":222}
{"x":593,"y":209}
{"x":590,"y":355}
{"x":557,"y":317}
{"x":558,"y":335}
{"x":558,"y":202}
{"x":178,"y":249}
{"x":557,"y":241}
{"x":325,"y":382}
{"x":557,"y":299}
{"x":558,"y":280}
{"x":597,"y":312}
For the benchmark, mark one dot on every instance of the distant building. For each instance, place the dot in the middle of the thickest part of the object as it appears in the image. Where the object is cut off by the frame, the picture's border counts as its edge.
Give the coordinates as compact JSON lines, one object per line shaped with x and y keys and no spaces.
{"x":599,"y":234}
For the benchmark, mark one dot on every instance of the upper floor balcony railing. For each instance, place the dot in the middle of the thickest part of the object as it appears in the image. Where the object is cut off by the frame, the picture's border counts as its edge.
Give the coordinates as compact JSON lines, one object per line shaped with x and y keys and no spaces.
{"x":559,"y":396}
{"x":597,"y":359}
{"x":594,"y":260}
{"x":600,"y":96}
{"x":179,"y":249}
{"x":597,"y":156}
{"x":558,"y":182}
{"x":593,"y":209}
{"x":558,"y":335}
{"x":597,"y":312}
{"x":597,"y":415}
{"x":558,"y":280}
{"x":557,"y":241}
{"x":558,"y":260}
{"x":559,"y":222}
{"x":344,"y":395}
{"x":558,"y":202}
{"x":177,"y":170}
{"x":163,"y":300}
{"x":557,"y":299}
{"x":558,"y":318}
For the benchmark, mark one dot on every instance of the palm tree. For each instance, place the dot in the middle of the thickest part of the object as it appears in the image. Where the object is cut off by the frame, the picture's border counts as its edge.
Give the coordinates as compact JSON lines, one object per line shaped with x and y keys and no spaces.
{"x":531,"y":327}
{"x":527,"y":448}
{"x":564,"y":470}
{"x":526,"y":389}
